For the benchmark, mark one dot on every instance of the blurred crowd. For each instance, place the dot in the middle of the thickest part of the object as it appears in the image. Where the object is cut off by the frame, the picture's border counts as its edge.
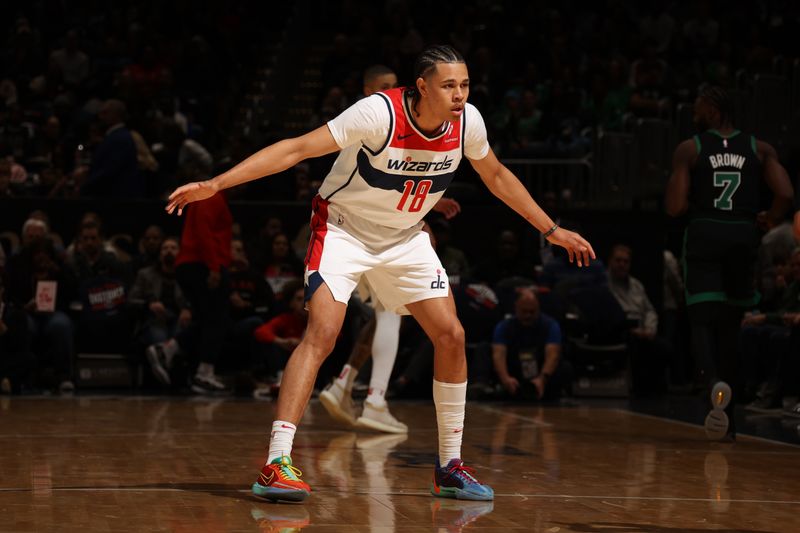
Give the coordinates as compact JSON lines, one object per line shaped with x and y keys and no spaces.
{"x":129,"y":102}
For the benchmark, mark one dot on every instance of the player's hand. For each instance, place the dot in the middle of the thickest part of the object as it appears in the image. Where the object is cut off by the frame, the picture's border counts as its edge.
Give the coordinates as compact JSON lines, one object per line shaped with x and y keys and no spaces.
{"x":185,"y":318}
{"x":511,"y":384}
{"x":577,"y":247}
{"x":191,"y":192}
{"x":448,"y":207}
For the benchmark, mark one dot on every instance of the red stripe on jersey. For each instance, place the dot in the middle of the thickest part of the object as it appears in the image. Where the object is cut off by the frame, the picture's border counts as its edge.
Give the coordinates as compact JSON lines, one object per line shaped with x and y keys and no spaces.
{"x":406,"y":137}
{"x":319,"y":228}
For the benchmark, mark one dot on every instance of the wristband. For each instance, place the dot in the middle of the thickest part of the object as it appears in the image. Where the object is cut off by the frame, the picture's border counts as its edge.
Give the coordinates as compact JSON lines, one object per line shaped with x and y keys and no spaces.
{"x":550,"y":231}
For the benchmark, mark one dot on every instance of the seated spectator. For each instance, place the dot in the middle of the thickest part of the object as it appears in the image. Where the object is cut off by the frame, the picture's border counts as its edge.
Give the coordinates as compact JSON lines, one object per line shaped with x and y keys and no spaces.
{"x":149,"y":248}
{"x":526,"y":352}
{"x":285,"y":331}
{"x":100,"y":282}
{"x":773,"y":253}
{"x":158,"y":298}
{"x":251,"y":296}
{"x":50,"y":327}
{"x":282,"y":266}
{"x":561,"y":276}
{"x":766,"y":341}
{"x":650,"y":353}
{"x":508,"y":261}
{"x":251,"y":302}
{"x":17,"y":361}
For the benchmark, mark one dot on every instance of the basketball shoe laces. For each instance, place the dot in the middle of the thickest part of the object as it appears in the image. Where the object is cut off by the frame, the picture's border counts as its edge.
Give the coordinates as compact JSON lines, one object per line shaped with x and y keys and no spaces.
{"x":462,"y":472}
{"x":292,"y":473}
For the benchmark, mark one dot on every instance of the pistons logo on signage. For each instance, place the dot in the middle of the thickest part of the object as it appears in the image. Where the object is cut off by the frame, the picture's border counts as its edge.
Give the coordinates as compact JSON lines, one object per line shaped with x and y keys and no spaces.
{"x":438,"y":284}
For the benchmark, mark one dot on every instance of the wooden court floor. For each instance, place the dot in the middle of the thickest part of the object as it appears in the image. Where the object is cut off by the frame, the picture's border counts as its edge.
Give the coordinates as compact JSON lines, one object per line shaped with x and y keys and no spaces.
{"x":181,"y":464}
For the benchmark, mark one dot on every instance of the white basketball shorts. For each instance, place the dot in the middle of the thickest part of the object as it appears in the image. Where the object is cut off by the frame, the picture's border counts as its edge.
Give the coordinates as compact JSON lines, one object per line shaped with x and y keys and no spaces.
{"x":400,"y":265}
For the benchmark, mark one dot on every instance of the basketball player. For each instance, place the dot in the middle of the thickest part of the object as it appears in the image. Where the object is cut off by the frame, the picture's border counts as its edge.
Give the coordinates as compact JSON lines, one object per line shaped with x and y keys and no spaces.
{"x":380,"y":336}
{"x":716,"y":177}
{"x":399,"y":151}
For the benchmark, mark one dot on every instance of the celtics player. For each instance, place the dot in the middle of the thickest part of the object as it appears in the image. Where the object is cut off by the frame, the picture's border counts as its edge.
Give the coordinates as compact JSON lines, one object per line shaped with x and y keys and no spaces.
{"x":716,"y":177}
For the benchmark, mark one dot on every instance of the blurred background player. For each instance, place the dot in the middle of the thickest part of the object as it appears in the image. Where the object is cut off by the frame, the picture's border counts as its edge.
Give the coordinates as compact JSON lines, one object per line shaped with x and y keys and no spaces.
{"x":380,"y":336}
{"x":716,"y":177}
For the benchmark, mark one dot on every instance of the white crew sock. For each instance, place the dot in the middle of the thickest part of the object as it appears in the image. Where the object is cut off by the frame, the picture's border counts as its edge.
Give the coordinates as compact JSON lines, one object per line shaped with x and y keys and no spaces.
{"x":450,"y":400}
{"x":384,"y":353}
{"x":280,"y":442}
{"x":346,"y":378}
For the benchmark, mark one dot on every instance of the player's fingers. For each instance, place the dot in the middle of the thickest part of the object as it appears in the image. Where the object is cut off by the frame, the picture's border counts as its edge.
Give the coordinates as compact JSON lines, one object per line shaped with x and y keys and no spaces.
{"x":571,"y":254}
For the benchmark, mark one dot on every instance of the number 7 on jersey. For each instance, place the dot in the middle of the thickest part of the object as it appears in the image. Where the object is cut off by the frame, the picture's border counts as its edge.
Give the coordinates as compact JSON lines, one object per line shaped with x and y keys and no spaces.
{"x":730,"y":181}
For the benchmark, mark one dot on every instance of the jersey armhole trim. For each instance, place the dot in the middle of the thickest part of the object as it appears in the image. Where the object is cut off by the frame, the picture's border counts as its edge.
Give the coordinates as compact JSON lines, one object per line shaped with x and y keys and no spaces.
{"x":753,"y":144}
{"x":697,"y":144}
{"x":345,"y":183}
{"x":391,"y":128}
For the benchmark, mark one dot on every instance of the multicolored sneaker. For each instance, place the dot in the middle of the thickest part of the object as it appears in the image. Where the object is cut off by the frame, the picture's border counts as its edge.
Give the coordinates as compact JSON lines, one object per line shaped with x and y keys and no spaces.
{"x":458,"y":481}
{"x":279,"y":480}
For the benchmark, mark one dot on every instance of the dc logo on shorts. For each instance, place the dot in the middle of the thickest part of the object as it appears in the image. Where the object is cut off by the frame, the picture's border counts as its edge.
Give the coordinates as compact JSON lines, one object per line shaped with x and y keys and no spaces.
{"x":438,"y":284}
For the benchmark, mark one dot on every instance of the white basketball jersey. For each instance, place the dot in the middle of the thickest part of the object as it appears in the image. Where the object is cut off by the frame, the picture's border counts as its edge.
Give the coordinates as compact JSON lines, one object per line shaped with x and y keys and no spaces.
{"x":389,"y":171}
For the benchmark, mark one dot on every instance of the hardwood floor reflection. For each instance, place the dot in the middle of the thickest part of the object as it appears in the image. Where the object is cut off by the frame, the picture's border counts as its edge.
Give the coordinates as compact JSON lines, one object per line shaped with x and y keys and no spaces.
{"x":177,"y":464}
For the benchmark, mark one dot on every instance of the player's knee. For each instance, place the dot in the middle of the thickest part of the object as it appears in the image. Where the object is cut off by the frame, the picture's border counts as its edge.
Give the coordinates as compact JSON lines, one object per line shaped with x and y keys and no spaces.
{"x":451,"y":338}
{"x":322,"y":338}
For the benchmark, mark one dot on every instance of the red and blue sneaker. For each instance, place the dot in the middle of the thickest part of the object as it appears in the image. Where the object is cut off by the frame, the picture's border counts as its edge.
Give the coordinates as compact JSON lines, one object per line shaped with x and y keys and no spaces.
{"x":279,"y":480}
{"x":455,"y":480}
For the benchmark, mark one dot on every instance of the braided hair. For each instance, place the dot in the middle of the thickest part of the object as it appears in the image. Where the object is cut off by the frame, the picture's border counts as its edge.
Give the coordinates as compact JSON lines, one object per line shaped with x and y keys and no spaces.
{"x":721,"y":100}
{"x":426,"y":63}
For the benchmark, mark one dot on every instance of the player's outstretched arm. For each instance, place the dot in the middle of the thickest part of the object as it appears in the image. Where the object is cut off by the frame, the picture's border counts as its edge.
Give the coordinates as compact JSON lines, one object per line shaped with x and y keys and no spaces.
{"x":505,"y":185}
{"x":270,"y":160}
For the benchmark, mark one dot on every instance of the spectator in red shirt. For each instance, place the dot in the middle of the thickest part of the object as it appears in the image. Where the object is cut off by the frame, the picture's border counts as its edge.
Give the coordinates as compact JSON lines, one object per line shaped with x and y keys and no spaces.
{"x":284,"y":332}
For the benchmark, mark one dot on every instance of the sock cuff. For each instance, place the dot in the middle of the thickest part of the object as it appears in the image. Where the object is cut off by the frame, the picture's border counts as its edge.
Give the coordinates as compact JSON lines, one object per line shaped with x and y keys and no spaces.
{"x":283,"y":424}
{"x":449,"y":394}
{"x":446,"y":385}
